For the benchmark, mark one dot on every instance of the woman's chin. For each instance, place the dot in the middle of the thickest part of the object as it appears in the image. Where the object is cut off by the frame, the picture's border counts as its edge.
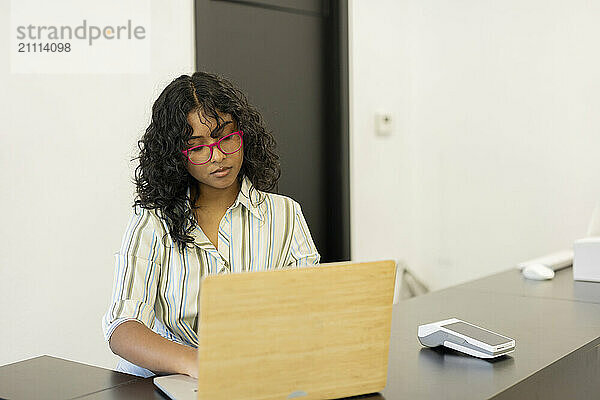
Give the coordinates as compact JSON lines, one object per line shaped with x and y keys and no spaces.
{"x":220,"y":182}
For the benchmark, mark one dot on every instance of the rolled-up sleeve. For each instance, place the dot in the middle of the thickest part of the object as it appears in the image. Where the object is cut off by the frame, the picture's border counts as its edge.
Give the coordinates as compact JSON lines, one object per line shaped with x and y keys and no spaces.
{"x":136,"y":273}
{"x":302,"y":248}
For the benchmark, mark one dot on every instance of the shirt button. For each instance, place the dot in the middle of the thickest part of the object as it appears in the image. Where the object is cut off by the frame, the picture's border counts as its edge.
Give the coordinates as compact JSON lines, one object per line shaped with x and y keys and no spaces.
{"x":223,"y":268}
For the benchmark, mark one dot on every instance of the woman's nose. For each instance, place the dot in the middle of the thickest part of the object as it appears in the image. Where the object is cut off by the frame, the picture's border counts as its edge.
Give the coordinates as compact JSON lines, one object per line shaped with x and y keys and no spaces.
{"x":218,"y":155}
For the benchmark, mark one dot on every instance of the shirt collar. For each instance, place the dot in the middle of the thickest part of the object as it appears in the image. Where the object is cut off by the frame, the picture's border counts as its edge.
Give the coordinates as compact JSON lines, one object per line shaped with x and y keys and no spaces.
{"x":251,"y":199}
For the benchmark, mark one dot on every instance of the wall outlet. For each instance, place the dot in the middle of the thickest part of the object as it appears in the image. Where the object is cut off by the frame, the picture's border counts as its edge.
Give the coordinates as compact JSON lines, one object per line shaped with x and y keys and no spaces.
{"x":383,"y":123}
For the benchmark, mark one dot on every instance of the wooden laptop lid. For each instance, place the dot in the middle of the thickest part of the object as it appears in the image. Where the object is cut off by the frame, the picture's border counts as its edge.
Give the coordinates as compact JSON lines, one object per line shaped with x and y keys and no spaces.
{"x":308,"y":333}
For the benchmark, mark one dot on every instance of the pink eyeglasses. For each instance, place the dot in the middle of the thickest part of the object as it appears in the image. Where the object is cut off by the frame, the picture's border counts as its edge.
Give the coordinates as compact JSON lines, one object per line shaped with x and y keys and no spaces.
{"x":203,"y":153}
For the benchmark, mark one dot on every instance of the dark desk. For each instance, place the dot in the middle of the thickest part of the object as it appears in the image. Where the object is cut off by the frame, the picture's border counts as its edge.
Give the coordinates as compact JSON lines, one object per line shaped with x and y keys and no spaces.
{"x":562,"y":287}
{"x":557,"y":353}
{"x":52,"y":378}
{"x":556,"y":325}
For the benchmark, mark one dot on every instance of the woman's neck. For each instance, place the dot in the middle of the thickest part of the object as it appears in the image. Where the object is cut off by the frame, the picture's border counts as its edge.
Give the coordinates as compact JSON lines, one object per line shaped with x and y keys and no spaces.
{"x":211,"y":198}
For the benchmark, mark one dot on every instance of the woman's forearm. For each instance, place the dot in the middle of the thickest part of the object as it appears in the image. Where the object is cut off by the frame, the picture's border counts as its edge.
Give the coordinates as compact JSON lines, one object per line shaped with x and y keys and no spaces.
{"x":136,"y":343}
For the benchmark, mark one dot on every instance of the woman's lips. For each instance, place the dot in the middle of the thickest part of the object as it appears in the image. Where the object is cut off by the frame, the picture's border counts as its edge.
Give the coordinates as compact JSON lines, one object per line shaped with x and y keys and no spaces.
{"x":221,"y":172}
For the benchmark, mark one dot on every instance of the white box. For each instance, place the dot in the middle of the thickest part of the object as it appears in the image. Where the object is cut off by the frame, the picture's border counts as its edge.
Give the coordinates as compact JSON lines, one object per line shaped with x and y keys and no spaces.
{"x":586,"y":259}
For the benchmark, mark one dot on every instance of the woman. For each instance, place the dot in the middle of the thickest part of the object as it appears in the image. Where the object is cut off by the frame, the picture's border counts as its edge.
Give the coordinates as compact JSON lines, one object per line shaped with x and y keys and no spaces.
{"x":207,"y":165}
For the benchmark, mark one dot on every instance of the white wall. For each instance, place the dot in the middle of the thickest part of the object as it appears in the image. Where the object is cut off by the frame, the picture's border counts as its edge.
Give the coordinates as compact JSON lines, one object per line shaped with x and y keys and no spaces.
{"x":494,"y":157}
{"x":65,"y":145}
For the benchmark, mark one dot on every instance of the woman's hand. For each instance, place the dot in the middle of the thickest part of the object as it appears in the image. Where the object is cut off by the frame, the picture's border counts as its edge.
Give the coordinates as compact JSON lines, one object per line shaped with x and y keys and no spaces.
{"x":191,"y":363}
{"x":138,"y":344}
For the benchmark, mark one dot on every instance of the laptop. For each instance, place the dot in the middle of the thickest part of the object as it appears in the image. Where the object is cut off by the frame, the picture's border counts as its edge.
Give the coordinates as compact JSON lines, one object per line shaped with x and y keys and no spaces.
{"x":306,"y":333}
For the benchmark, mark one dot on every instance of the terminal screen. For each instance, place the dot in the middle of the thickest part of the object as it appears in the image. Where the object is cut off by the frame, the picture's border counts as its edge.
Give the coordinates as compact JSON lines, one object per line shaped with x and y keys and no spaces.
{"x":476,"y":333}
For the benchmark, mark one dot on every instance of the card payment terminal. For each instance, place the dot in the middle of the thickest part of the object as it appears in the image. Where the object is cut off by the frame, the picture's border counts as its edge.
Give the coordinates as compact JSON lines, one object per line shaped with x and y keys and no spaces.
{"x":466,"y":338}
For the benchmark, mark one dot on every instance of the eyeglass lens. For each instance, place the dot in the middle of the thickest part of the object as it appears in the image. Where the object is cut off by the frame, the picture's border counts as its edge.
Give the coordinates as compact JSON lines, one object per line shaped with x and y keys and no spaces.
{"x":228,"y":145}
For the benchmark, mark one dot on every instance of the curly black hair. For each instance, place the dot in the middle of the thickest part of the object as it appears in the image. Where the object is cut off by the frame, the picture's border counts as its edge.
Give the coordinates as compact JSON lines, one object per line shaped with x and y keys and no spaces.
{"x":162,"y":179}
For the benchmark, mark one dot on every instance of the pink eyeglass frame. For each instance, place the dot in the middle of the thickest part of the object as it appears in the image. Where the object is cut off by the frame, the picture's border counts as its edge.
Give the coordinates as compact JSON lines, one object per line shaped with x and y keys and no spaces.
{"x":213,"y":145}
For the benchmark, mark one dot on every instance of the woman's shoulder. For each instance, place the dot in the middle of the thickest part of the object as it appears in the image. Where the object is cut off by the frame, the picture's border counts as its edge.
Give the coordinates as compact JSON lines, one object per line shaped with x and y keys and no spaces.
{"x":281,"y":208}
{"x":267,"y":201}
{"x":149,"y":219}
{"x":151,"y":214}
{"x":281,"y":200}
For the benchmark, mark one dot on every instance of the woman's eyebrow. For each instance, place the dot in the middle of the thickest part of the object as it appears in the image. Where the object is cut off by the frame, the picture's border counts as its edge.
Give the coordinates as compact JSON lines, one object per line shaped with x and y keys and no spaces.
{"x":213,"y":132}
{"x":220,"y":128}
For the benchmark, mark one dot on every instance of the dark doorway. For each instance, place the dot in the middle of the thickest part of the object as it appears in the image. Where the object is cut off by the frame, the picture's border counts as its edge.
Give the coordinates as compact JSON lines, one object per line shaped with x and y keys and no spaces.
{"x":290,"y":58}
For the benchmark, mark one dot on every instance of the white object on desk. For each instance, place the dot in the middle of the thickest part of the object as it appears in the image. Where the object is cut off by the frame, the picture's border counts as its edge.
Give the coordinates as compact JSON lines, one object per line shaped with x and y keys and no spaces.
{"x":554,"y":261}
{"x":538,"y":272}
{"x":586,"y":261}
{"x":586,"y":264}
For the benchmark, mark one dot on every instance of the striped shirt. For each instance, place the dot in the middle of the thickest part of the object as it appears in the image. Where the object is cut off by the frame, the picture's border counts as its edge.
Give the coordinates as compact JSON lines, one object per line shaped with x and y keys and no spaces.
{"x":157,"y":284}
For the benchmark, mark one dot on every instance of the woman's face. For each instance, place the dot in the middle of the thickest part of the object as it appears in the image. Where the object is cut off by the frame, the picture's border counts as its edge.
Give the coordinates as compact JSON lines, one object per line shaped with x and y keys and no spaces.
{"x":221,"y":171}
